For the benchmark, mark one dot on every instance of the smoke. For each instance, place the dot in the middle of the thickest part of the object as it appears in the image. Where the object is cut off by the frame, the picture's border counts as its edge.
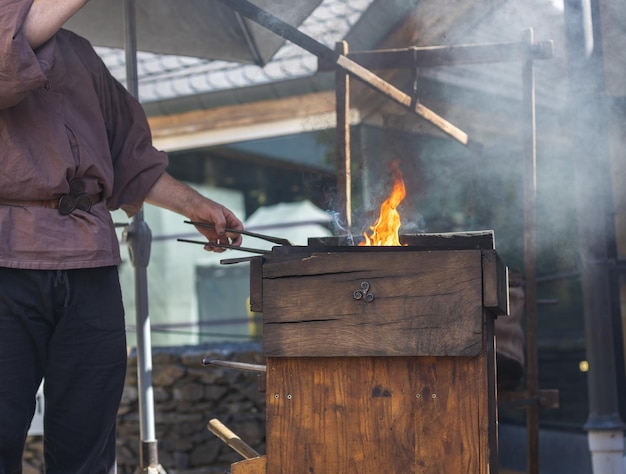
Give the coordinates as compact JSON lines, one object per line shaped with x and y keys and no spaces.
{"x":339,"y":227}
{"x":450,"y":188}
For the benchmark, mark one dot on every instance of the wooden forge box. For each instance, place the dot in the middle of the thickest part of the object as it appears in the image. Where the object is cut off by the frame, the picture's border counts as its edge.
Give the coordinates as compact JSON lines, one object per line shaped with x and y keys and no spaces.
{"x":380,"y":359}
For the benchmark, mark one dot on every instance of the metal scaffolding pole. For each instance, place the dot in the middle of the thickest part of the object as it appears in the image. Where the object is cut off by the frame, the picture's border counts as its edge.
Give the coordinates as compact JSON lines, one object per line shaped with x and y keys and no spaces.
{"x":587,"y":122}
{"x":139,"y":238}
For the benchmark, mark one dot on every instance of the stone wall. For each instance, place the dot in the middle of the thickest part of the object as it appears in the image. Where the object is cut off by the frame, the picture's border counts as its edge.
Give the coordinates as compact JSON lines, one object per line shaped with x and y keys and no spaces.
{"x":186,"y":396}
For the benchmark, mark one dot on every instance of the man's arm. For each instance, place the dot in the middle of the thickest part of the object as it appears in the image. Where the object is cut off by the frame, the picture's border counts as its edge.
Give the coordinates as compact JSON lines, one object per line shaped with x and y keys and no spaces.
{"x":46,"y":17}
{"x":173,"y":195}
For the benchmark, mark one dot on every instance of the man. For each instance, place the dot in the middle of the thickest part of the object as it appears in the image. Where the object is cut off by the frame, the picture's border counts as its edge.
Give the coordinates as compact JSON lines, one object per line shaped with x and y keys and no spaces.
{"x":73,"y":146}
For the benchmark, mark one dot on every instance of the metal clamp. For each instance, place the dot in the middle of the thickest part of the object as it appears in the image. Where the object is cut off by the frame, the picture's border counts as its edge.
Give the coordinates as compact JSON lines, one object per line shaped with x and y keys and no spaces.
{"x":363,"y":293}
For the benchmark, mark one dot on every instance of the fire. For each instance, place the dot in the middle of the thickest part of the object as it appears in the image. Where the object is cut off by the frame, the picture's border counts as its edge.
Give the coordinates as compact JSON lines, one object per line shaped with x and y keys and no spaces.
{"x":385,"y":230}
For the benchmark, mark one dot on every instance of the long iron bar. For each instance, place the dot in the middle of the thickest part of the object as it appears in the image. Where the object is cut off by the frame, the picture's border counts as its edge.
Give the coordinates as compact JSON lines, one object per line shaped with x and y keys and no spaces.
{"x":229,"y":364}
{"x":224,"y":246}
{"x":268,"y":238}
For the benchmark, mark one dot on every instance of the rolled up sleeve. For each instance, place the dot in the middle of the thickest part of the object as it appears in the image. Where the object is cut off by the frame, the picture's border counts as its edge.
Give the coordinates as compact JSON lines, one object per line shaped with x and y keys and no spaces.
{"x":137,"y":165}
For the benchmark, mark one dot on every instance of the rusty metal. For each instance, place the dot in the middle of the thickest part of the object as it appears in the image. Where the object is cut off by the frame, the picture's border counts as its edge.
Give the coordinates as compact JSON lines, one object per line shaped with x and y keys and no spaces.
{"x":268,"y":238}
{"x":363,"y":293}
{"x":224,"y":246}
{"x":290,"y":33}
{"x":235,"y":365}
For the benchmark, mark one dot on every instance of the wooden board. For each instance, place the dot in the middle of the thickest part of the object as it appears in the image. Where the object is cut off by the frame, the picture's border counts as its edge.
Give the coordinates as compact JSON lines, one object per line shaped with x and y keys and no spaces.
{"x":425,"y":304}
{"x":495,"y":284}
{"x":250,"y":466}
{"x":372,"y":415}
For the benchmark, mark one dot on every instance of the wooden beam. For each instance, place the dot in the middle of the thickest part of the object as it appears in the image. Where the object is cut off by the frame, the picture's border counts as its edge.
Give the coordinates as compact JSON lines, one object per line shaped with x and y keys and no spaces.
{"x":289,"y":32}
{"x":234,"y":116}
{"x":429,"y":56}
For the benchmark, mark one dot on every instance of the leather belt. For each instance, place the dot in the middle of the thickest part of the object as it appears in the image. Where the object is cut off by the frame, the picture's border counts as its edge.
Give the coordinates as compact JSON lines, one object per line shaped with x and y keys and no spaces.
{"x":65,"y":204}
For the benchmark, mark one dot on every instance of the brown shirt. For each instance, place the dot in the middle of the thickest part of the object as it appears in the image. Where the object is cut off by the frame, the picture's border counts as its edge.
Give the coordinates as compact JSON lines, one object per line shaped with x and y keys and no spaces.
{"x":63,"y":116}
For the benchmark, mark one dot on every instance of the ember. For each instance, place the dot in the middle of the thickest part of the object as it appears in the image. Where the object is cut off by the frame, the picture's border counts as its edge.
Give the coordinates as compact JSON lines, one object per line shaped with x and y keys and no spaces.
{"x":385,"y":230}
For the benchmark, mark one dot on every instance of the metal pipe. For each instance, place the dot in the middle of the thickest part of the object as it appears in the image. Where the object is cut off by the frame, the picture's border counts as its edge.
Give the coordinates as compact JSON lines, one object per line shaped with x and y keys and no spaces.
{"x":139,"y":238}
{"x":236,"y":365}
{"x":589,"y":144}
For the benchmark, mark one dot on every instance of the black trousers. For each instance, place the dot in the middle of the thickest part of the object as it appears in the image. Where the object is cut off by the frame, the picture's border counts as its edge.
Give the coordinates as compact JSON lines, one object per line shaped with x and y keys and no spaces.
{"x":67,"y":327}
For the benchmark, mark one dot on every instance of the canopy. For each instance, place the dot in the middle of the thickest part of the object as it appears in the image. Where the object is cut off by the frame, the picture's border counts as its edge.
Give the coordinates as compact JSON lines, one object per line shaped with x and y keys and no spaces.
{"x":199,"y":28}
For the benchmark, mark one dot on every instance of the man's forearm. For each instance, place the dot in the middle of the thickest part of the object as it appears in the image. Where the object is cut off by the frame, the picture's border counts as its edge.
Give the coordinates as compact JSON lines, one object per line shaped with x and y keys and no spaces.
{"x":171,"y":194}
{"x":46,"y":17}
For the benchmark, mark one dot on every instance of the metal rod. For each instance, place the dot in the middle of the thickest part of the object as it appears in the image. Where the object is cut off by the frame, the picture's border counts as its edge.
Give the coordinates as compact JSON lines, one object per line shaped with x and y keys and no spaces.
{"x":530,"y":204}
{"x":290,"y":33}
{"x":224,"y":246}
{"x":132,"y":77}
{"x":269,"y":238}
{"x":139,"y":239}
{"x":235,"y":365}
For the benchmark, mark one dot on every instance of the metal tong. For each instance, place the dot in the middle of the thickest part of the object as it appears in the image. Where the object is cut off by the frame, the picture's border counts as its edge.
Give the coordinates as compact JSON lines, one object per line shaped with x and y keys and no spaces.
{"x":268,"y":238}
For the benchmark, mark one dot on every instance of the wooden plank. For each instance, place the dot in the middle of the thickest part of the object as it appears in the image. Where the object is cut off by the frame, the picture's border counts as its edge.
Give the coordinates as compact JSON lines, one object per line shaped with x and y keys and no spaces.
{"x":486,"y":378}
{"x":231,"y":439}
{"x":250,"y":466}
{"x":256,"y":284}
{"x":548,"y":398}
{"x":343,"y":158}
{"x":373,"y":415}
{"x":495,"y":284}
{"x":244,"y":115}
{"x":424,"y":303}
{"x":429,"y":56}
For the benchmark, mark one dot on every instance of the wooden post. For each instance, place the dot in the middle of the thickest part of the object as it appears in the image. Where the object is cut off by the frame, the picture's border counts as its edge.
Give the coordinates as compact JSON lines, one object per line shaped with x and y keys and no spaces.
{"x":530,"y":268}
{"x":344,"y":180}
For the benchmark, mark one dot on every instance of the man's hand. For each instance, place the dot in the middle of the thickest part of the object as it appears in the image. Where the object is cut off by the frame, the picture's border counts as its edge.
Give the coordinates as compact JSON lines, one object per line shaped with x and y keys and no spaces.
{"x":46,"y":17}
{"x":212,"y":212}
{"x":171,"y":194}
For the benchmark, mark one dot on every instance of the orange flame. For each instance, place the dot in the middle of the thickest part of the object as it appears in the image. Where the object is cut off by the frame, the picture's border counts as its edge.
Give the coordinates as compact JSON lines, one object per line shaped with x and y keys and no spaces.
{"x":385,"y":230}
